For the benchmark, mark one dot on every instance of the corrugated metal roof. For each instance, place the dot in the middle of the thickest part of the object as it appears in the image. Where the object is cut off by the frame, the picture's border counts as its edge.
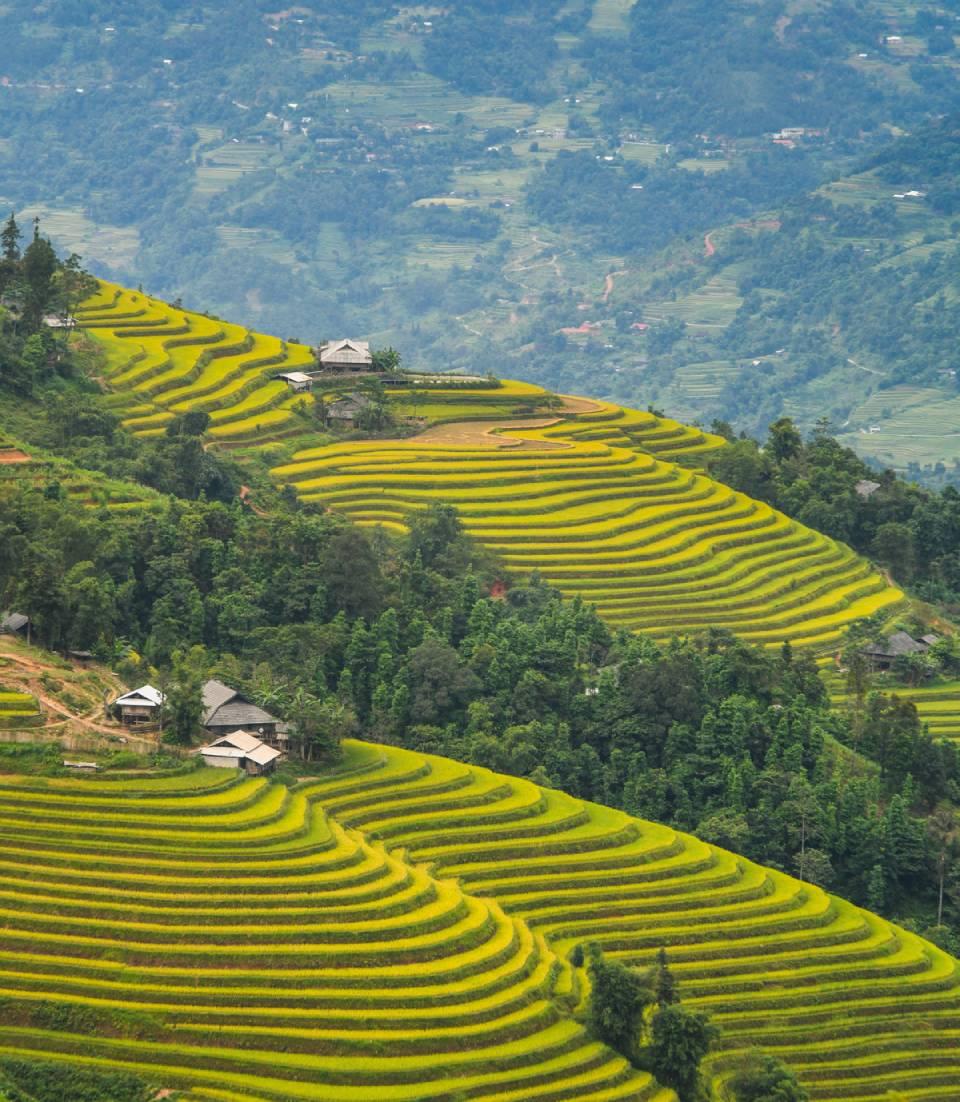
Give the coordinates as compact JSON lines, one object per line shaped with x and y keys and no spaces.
{"x":346,"y":351}
{"x":263,"y":754}
{"x":146,"y":694}
{"x":12,"y":621}
{"x":895,"y":645}
{"x":239,"y":746}
{"x":242,"y":740}
{"x":237,"y":714}
{"x":215,"y":694}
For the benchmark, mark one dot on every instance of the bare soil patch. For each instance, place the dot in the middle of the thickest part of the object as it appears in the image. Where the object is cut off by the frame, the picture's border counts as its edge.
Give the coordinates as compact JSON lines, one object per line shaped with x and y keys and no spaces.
{"x":13,"y":455}
{"x":486,"y":434}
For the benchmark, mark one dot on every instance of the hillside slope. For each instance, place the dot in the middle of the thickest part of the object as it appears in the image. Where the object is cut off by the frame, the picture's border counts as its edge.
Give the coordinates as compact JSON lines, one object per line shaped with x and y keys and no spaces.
{"x":221,"y":934}
{"x":411,"y":912}
{"x":588,"y":495}
{"x":843,"y":303}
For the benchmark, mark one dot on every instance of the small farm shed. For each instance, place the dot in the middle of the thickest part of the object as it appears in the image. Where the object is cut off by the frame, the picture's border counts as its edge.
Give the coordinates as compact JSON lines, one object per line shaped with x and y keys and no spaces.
{"x":298,"y":381}
{"x":241,"y":750}
{"x":346,"y":409}
{"x":226,"y":710}
{"x":139,"y":706}
{"x":345,"y":356}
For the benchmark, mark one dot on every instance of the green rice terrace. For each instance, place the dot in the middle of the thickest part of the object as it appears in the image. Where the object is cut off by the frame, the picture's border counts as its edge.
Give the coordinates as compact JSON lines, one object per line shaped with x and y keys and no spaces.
{"x":402,"y":929}
{"x":605,"y":502}
{"x":60,"y":478}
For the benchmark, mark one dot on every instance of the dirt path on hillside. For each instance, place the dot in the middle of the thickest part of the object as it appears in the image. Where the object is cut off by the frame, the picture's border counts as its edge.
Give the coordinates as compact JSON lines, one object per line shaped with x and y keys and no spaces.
{"x":31,"y":672}
{"x":609,"y":282}
{"x":246,"y":496}
{"x":773,"y":224}
{"x":13,"y":455}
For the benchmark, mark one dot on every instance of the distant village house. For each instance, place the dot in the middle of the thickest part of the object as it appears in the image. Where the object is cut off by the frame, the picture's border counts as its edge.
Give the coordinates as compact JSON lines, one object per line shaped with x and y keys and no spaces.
{"x":14,"y":623}
{"x":345,"y":410}
{"x":867,"y":487}
{"x":298,"y":381}
{"x":226,"y":711}
{"x":345,"y":356}
{"x":142,"y":705}
{"x":882,"y":655}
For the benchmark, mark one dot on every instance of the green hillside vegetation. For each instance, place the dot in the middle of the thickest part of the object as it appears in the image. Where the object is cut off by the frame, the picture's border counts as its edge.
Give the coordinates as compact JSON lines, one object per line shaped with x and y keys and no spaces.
{"x":422,"y":639}
{"x":58,"y":478}
{"x":842,"y":304}
{"x":396,"y":930}
{"x":914,"y":533}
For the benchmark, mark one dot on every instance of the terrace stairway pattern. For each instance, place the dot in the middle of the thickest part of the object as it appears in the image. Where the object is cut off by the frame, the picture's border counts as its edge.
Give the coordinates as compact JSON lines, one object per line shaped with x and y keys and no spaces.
{"x":401,"y":929}
{"x":225,"y":936}
{"x":163,"y":361}
{"x":608,"y":517}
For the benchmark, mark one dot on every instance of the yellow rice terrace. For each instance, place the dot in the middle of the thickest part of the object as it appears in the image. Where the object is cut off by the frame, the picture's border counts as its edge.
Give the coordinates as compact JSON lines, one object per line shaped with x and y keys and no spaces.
{"x":605,"y":502}
{"x":404,"y":929}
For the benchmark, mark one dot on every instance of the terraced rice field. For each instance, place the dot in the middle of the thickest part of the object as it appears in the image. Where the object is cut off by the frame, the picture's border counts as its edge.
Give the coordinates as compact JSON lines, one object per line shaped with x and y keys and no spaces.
{"x":402,"y":930}
{"x":912,"y":424}
{"x":710,"y":307}
{"x":594,"y":503}
{"x":938,"y":705}
{"x":227,"y":937}
{"x":939,"y":708}
{"x":162,"y":361}
{"x":16,"y":706}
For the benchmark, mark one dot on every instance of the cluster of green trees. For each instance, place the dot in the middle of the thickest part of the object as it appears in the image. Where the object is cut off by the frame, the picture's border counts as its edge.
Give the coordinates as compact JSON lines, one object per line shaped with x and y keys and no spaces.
{"x":583,"y":190}
{"x":832,"y":283}
{"x":913,"y":531}
{"x":640,"y":1014}
{"x":498,"y":47}
{"x":34,"y":283}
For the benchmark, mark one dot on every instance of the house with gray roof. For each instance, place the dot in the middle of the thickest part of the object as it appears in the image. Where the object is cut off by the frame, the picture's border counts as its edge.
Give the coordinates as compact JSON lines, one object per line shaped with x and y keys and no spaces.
{"x":346,"y":409}
{"x":226,"y":710}
{"x":345,"y":356}
{"x":882,"y":655}
{"x":14,"y":623}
